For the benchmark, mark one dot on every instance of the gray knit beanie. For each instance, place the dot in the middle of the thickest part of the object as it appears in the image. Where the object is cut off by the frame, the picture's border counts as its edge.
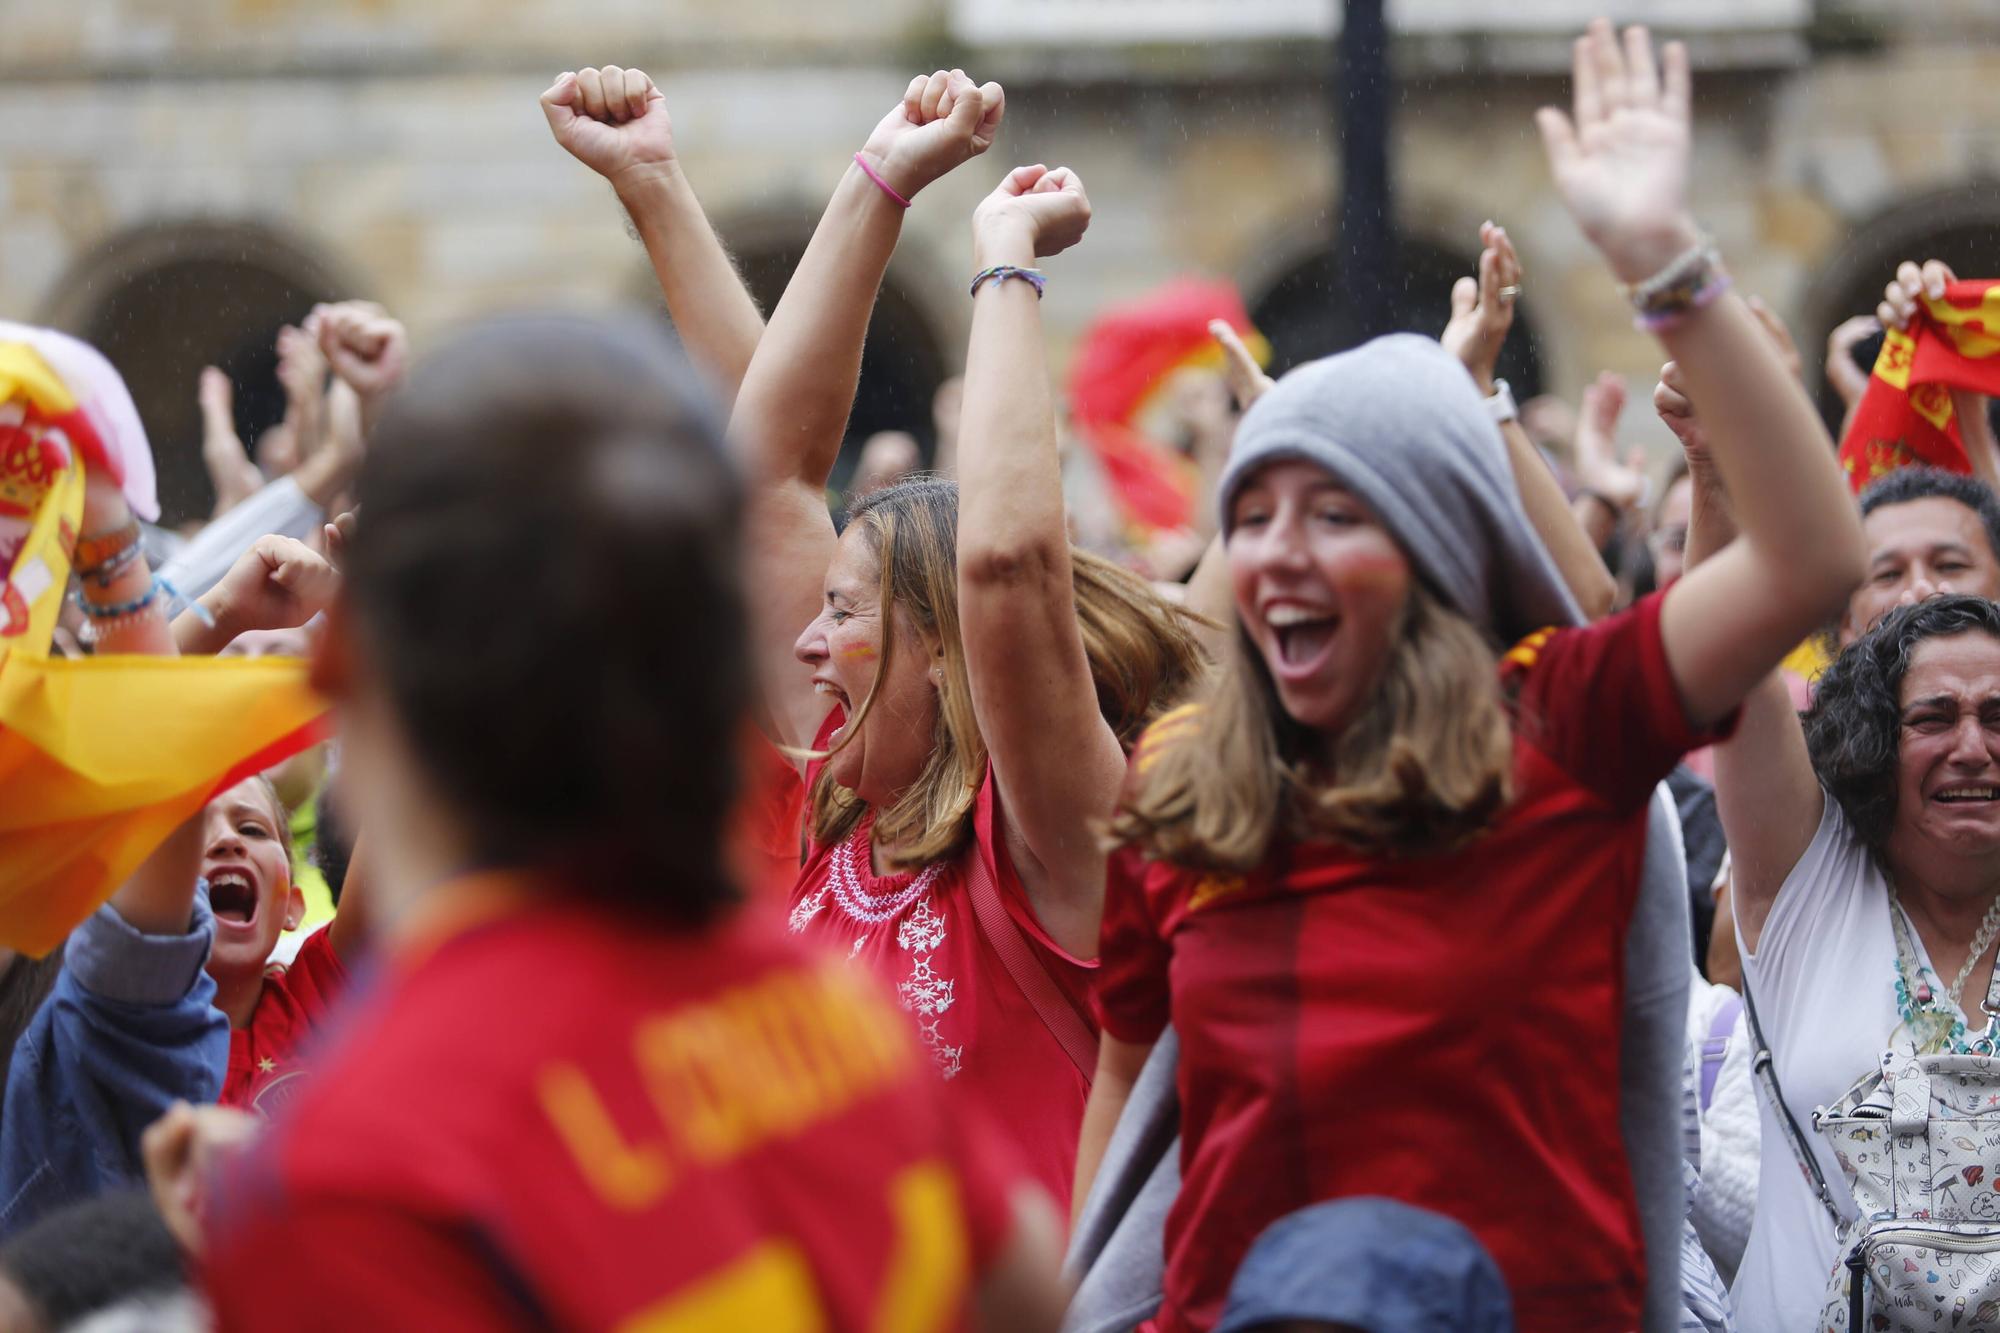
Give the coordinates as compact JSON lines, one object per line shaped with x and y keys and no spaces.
{"x":1399,"y":422}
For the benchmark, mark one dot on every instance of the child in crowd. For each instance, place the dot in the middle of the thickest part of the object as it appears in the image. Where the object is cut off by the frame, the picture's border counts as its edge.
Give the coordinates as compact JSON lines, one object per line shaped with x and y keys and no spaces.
{"x":272,"y":1010}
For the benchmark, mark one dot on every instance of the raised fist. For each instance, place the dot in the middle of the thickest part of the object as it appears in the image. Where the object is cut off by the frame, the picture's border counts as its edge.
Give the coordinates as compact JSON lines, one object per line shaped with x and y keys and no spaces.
{"x":1047,"y":208}
{"x":183,"y":1150}
{"x":366,"y":347}
{"x":279,"y":583}
{"x":612,"y":120}
{"x":943,"y":120}
{"x":301,"y":364}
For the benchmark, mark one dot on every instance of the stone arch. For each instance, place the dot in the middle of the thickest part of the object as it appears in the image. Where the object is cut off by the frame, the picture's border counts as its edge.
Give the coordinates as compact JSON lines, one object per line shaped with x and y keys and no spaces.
{"x":904,"y":359}
{"x":1959,"y":224}
{"x":164,"y":298}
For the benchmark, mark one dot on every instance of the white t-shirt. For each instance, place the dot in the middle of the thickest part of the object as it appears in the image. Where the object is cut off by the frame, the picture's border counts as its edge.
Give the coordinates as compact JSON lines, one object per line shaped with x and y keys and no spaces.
{"x":1824,"y":977}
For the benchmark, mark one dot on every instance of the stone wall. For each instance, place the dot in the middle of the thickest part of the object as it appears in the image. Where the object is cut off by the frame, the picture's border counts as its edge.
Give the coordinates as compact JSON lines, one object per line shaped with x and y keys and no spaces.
{"x":394,"y":148}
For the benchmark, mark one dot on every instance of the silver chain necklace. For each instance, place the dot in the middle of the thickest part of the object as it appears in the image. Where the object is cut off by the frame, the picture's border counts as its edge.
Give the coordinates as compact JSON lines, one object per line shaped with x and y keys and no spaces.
{"x":1982,"y":940}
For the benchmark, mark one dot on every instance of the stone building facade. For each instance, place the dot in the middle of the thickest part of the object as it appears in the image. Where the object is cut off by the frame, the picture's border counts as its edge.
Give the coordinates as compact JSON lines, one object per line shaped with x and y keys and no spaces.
{"x":177,"y":177}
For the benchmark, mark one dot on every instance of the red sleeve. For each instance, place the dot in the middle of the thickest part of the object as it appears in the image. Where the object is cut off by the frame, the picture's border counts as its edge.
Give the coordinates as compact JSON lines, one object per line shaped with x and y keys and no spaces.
{"x":1132,"y":995}
{"x":1601,"y":704}
{"x":336,"y":1266}
{"x":316,"y":977}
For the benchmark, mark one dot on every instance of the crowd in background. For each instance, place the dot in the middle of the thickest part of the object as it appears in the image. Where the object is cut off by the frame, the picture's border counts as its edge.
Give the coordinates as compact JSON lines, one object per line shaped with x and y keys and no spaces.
{"x":1202,"y":853}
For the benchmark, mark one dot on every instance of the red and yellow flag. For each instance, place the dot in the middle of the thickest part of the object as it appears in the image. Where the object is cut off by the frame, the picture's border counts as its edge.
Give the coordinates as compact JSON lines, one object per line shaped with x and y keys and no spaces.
{"x":1126,"y":357}
{"x":100,"y":758}
{"x":1905,"y":417}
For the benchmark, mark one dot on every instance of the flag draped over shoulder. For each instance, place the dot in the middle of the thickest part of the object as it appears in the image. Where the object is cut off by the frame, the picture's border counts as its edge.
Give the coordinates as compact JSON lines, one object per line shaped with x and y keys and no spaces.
{"x":1126,"y":357}
{"x":1905,"y":417}
{"x":100,"y":758}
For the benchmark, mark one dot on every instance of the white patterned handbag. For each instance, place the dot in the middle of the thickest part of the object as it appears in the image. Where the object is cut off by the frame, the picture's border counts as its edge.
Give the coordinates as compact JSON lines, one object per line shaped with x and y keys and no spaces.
{"x":1919,"y":1143}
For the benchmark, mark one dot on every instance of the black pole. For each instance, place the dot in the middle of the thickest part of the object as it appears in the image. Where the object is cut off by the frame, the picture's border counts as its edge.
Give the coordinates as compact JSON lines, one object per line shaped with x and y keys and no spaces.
{"x":1367,"y":237}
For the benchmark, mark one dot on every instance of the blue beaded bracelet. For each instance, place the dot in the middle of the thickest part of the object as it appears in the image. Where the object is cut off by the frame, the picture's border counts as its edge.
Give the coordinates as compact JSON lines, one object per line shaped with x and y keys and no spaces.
{"x":1034,"y":277}
{"x":114,"y":610}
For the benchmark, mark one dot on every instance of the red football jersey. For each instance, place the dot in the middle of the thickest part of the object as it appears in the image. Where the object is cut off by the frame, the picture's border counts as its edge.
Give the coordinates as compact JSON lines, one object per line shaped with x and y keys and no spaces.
{"x":1440,"y":1029}
{"x":560,"y":1118}
{"x":267,"y":1067}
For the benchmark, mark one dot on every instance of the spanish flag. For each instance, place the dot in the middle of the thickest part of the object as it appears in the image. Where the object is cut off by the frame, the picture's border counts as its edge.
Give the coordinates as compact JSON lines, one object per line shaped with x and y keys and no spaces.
{"x":1126,"y":357}
{"x":1905,"y":417}
{"x":100,"y":758}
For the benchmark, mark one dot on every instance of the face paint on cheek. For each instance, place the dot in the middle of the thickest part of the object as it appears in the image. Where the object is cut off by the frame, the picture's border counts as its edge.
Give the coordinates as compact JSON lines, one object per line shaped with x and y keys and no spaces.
{"x":859,"y":652}
{"x":1375,"y":569}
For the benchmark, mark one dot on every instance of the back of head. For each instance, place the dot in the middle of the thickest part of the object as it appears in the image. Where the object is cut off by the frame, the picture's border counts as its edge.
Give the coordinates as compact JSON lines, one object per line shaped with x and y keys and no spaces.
{"x":92,"y":1255}
{"x":544,"y":580}
{"x":1908,"y":484}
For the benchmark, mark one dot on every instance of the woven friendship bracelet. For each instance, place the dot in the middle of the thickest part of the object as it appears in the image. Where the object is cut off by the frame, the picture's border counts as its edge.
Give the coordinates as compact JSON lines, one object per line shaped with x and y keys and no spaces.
{"x":93,"y":551}
{"x":108,"y":571}
{"x":1691,"y":282}
{"x":1034,"y":277}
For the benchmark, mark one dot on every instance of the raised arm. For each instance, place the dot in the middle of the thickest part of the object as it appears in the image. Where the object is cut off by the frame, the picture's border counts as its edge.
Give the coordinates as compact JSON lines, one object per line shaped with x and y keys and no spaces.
{"x":1622,"y":167}
{"x":369,"y":353}
{"x":1056,"y":760}
{"x":230,"y":470}
{"x":157,"y":899}
{"x":1482,"y":310}
{"x":1608,"y":490}
{"x":615,"y":122}
{"x":1208,"y":593}
{"x":279,"y":583}
{"x":1766,"y":793}
{"x":1898,"y":310}
{"x":793,"y":407}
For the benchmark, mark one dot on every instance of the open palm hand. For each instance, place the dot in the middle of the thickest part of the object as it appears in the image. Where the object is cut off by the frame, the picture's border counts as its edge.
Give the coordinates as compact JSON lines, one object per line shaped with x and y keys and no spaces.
{"x":1620,"y":158}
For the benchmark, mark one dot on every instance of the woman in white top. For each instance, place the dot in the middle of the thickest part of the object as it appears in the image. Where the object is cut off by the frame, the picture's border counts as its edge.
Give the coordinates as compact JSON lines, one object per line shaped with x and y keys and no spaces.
{"x":1904,"y":738}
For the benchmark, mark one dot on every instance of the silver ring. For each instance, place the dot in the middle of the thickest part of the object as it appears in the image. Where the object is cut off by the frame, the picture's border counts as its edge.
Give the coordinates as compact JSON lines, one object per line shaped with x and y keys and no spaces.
{"x":1509,"y":292}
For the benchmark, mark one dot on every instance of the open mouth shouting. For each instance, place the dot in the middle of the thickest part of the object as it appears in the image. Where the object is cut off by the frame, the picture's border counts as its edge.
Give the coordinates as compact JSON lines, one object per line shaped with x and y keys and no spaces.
{"x":232,"y":895}
{"x":1967,"y":793}
{"x":1304,"y":636}
{"x":826,"y":689}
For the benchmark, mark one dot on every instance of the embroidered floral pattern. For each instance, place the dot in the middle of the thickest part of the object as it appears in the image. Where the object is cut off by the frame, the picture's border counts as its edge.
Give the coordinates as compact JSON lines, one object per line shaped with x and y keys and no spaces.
{"x":920,"y":933}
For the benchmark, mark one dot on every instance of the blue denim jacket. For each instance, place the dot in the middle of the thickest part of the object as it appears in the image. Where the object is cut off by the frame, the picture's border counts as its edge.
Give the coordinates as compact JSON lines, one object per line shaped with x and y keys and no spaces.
{"x":130,"y":1027}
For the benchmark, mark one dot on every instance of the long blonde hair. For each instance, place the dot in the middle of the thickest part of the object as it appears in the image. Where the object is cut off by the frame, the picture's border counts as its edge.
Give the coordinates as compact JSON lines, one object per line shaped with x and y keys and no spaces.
{"x":1424,"y":766}
{"x":1143,"y":657}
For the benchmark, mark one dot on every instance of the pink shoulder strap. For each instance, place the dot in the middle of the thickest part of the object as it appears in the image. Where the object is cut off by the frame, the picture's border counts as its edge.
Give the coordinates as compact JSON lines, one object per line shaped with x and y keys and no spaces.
{"x":1017,"y":955}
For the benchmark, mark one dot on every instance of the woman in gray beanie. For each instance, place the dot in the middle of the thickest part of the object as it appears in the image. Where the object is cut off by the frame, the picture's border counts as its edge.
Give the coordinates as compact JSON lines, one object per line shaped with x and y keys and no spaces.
{"x":1380,"y":880}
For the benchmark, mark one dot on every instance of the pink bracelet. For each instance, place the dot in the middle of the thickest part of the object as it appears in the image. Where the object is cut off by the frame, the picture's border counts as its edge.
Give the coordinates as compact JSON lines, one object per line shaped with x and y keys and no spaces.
{"x":873,"y":175}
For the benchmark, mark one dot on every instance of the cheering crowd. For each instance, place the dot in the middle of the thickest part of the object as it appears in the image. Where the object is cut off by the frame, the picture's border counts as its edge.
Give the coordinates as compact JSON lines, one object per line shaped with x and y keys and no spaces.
{"x":530,"y":861}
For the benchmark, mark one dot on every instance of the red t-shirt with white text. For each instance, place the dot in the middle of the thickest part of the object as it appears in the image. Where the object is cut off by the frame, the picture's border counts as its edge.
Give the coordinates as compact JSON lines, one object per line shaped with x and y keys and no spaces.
{"x":1443,"y":1029}
{"x":267,"y":1064}
{"x":558,"y":1118}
